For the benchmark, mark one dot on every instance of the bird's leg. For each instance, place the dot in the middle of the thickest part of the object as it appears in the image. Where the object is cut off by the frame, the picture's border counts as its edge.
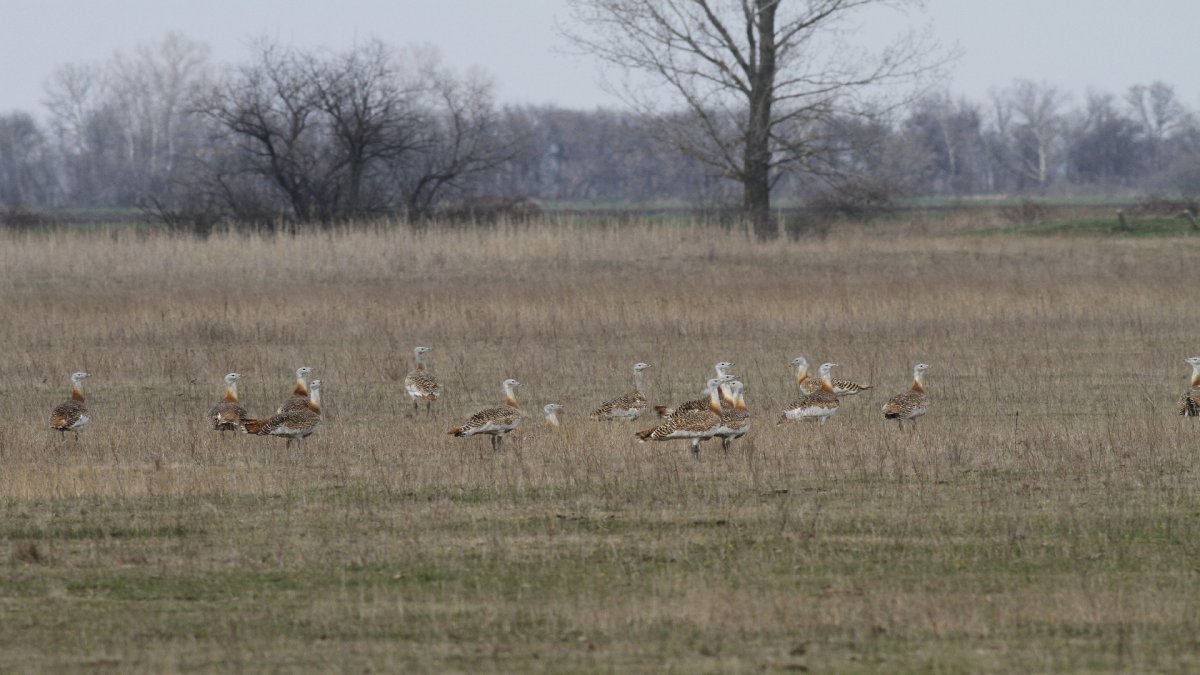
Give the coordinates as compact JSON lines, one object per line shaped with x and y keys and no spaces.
{"x":414,"y":412}
{"x":428,"y":408}
{"x":696,"y":448}
{"x":725,"y":441}
{"x":76,"y":436}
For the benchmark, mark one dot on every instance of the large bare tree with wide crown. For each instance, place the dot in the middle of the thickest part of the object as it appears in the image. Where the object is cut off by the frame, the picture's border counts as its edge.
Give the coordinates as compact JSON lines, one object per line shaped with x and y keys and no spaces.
{"x":751,"y":83}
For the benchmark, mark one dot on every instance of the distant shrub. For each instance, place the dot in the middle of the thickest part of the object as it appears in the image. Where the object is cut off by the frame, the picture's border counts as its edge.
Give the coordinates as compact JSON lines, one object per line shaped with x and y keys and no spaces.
{"x":1028,"y":212}
{"x":1160,"y":205}
{"x":490,"y":210}
{"x":19,"y":218}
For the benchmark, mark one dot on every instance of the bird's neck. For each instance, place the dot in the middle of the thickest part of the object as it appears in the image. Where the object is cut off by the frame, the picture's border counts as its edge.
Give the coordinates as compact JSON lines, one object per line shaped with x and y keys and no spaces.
{"x":314,"y":401}
{"x":826,"y":382}
{"x":918,"y":382}
{"x":1196,"y":376}
{"x":714,"y":400}
{"x":420,"y":360}
{"x":301,"y":387}
{"x":77,"y":391}
{"x":637,"y":382}
{"x":552,"y":419}
{"x":231,"y":392}
{"x":510,"y":397}
{"x":741,"y":402}
{"x":801,"y":374}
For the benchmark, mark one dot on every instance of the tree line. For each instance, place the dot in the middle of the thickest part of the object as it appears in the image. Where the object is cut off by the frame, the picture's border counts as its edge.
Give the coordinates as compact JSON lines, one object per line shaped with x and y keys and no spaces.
{"x":316,"y":136}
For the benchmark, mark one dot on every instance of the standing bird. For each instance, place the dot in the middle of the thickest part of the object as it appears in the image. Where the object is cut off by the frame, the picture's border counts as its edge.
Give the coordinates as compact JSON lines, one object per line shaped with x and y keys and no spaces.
{"x":627,"y":407}
{"x":808,"y":385}
{"x":819,"y":405}
{"x":421,"y":384}
{"x":229,"y":413}
{"x":550,"y":411}
{"x":735,"y":417}
{"x":911,"y":404}
{"x":299,"y":399}
{"x":694,"y":424}
{"x":496,"y":421}
{"x":72,"y":414}
{"x":295,"y":424}
{"x":1189,"y":405}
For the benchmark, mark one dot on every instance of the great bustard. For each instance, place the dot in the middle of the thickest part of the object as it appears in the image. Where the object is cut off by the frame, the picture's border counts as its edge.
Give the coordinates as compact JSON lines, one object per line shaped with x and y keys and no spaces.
{"x":496,"y":421}
{"x":299,"y":399}
{"x":735,"y":416}
{"x":693,"y":424}
{"x":911,"y":404}
{"x":628,"y":406}
{"x":228,"y":414}
{"x":550,"y":412}
{"x":72,"y":414}
{"x":1189,"y":404}
{"x":294,"y":424}
{"x":808,"y":385}
{"x":420,"y":384}
{"x":819,"y":405}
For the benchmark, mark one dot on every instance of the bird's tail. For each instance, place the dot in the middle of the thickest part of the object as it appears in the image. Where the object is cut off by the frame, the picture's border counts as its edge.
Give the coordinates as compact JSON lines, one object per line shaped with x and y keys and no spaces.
{"x":891,"y":411}
{"x":664,"y":411}
{"x":644,"y":436}
{"x":457,"y":431}
{"x":253,"y":426}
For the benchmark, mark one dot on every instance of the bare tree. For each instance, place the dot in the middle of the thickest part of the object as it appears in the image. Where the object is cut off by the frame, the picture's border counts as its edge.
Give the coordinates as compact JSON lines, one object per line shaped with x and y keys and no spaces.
{"x":26,"y":172}
{"x":270,"y":109}
{"x":1159,"y":114}
{"x":371,"y":114}
{"x":342,"y":135}
{"x":756,"y":77}
{"x":1029,"y":119}
{"x":459,"y":137}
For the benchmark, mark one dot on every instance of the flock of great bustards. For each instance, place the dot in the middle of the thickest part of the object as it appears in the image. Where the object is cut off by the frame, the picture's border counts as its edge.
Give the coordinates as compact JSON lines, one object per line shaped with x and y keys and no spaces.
{"x":720,"y":413}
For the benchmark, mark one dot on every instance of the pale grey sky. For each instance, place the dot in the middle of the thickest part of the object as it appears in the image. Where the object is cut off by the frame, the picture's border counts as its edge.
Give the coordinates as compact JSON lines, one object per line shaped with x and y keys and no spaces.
{"x":1107,"y":44}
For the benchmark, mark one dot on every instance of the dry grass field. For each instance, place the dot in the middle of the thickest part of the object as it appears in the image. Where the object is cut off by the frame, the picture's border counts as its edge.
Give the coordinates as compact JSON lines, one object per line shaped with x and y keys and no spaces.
{"x":1044,"y":516}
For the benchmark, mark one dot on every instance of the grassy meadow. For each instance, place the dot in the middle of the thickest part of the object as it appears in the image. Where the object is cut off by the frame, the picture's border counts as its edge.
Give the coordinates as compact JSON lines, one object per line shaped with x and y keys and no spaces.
{"x":1044,"y":516}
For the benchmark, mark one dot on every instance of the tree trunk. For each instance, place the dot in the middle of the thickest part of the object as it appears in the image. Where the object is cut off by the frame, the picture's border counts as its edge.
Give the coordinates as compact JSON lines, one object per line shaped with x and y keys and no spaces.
{"x":756,"y":161}
{"x":756,"y":203}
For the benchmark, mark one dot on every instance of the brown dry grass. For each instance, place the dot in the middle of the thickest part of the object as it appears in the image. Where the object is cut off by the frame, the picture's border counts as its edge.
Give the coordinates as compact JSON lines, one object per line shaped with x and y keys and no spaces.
{"x":1042,"y":517}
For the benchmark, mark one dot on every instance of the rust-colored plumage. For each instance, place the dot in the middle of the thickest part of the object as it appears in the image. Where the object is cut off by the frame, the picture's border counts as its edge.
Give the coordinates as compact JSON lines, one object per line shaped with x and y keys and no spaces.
{"x":294,"y":424}
{"x":819,"y":405}
{"x":228,"y":414}
{"x":72,"y":414}
{"x":735,"y":416}
{"x":667,"y":412}
{"x":299,"y":399}
{"x":809,"y":385}
{"x":910,"y":404}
